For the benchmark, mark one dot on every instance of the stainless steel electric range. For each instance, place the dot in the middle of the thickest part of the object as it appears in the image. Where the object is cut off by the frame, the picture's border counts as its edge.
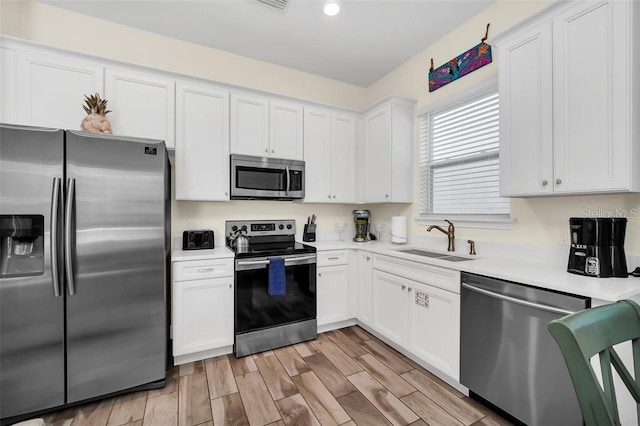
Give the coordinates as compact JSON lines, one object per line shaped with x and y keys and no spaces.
{"x":275,"y":285}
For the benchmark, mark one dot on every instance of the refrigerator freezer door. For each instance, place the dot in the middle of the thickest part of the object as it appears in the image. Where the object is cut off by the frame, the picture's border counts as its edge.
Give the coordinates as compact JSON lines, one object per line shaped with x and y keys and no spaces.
{"x":31,"y":316}
{"x":116,"y":317}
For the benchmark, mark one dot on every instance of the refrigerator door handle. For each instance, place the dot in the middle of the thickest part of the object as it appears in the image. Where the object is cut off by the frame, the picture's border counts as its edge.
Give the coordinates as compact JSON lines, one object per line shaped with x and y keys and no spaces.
{"x":54,"y":235}
{"x":68,"y":222}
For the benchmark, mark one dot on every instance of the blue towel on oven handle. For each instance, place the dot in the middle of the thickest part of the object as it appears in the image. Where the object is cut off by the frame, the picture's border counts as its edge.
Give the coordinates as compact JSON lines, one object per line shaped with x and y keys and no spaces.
{"x":277,"y":279}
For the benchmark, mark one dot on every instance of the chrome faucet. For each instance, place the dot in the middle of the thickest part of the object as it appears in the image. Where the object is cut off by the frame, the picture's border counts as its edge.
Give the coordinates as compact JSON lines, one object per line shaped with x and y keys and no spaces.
{"x":450,"y":233}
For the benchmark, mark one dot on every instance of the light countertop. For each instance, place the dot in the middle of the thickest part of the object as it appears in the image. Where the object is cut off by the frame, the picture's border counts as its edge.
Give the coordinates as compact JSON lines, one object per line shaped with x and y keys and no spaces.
{"x":180,"y":255}
{"x":548,"y":275}
{"x":551,"y":276}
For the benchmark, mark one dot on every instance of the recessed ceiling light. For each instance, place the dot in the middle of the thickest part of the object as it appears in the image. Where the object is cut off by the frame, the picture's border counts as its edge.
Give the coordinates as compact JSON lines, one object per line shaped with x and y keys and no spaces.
{"x":331,"y":8}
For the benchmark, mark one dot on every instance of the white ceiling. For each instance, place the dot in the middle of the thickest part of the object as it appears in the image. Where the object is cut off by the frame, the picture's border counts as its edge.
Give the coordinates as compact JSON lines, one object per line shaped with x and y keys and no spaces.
{"x":367,"y":40}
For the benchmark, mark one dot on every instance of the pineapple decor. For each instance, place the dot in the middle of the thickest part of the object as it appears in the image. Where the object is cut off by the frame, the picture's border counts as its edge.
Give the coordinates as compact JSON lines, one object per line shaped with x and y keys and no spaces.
{"x":96,"y":120}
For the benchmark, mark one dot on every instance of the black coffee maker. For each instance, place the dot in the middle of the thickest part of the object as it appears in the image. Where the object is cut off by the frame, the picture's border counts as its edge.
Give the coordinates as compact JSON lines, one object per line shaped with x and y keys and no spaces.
{"x":597,"y":247}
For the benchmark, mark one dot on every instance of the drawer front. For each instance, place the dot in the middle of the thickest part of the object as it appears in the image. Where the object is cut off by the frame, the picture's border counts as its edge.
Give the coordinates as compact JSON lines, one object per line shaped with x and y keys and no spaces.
{"x":333,"y":257}
{"x":447,"y":279}
{"x":201,"y":269}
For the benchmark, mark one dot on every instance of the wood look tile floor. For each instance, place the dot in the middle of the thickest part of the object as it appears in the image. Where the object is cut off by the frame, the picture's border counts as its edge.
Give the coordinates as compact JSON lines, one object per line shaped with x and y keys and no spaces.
{"x":344,"y":377}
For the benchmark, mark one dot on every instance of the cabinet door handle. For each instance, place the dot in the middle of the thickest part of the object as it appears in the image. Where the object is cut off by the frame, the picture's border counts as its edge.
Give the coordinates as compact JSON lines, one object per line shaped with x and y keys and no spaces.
{"x":386,"y":195}
{"x":409,"y":289}
{"x":319,"y":274}
{"x":333,"y":258}
{"x":203,"y":270}
{"x":368,"y":258}
{"x":266,"y":150}
{"x":273,"y":151}
{"x":404,"y":286}
{"x":334,"y":196}
{"x":229,"y":285}
{"x":328,"y":196}
{"x":558,"y":181}
{"x":545,"y":182}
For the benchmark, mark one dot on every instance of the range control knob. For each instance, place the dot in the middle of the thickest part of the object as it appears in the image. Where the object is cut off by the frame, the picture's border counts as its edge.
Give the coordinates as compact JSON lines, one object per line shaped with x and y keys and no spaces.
{"x":289,"y":226}
{"x":234,"y":228}
{"x":244,"y":228}
{"x":281,"y":227}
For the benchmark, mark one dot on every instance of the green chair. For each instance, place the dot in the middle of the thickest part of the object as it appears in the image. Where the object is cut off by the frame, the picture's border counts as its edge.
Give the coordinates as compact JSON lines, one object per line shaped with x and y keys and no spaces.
{"x":584,"y":334}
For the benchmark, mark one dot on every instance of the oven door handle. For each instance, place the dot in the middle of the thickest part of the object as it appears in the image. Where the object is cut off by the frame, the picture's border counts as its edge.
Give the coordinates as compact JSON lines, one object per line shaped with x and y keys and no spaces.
{"x":243,"y":265}
{"x":252,"y":262}
{"x":300,"y":259}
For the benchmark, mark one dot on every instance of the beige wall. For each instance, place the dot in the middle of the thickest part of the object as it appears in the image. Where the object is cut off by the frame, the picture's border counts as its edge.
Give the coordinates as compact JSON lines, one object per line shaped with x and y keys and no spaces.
{"x":60,"y":28}
{"x":539,"y":220}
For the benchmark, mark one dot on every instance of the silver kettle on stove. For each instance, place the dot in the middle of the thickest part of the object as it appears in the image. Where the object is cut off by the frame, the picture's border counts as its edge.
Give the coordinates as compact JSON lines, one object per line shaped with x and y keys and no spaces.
{"x":239,"y":241}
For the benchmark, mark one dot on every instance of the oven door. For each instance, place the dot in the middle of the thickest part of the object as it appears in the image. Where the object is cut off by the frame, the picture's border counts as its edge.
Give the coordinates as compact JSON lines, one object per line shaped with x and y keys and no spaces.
{"x":256,"y":309}
{"x":255,"y":177}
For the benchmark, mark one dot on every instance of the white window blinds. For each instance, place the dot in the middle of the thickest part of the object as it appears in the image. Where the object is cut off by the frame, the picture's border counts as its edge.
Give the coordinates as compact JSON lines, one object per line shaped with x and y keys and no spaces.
{"x":459,"y":167}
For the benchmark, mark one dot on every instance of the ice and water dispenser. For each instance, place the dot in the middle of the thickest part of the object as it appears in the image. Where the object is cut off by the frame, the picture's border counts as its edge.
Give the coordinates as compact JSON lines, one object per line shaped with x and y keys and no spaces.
{"x":21,"y":245}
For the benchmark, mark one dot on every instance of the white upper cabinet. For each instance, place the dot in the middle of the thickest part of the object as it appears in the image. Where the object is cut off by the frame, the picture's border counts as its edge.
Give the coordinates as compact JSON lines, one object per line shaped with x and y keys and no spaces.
{"x":317,"y":155}
{"x":387,"y":152}
{"x":592,"y":74}
{"x":266,"y":128}
{"x":8,"y":76}
{"x":343,"y":158}
{"x":249,"y":125}
{"x":285,"y":130}
{"x":143,"y":104}
{"x":378,"y":156}
{"x":330,"y":156}
{"x":50,"y":89}
{"x":526,"y":118}
{"x":202,"y":142}
{"x":568,"y":93}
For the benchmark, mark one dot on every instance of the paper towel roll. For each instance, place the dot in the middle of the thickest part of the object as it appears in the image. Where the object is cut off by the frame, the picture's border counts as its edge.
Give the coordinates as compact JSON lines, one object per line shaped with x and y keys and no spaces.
{"x":399,"y":229}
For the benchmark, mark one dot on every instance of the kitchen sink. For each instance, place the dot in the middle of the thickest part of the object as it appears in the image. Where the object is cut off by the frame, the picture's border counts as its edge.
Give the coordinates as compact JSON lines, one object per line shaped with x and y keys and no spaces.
{"x":424,"y":253}
{"x":435,"y":254}
{"x":455,"y":258}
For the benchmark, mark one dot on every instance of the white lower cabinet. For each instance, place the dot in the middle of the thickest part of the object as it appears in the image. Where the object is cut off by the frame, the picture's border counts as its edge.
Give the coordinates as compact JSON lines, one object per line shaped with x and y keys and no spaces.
{"x":433,"y":332}
{"x":202,"y":315}
{"x":362,"y":277}
{"x":421,"y":316}
{"x":390,"y":306}
{"x":333,"y":294}
{"x":332,"y":287}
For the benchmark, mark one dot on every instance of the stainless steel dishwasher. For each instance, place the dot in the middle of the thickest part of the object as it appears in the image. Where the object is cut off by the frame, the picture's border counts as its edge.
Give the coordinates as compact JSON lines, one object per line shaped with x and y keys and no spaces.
{"x":508,"y":357}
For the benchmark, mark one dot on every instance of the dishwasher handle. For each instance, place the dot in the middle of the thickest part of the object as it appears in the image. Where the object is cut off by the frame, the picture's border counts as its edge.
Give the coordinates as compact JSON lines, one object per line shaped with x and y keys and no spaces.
{"x":517,"y":301}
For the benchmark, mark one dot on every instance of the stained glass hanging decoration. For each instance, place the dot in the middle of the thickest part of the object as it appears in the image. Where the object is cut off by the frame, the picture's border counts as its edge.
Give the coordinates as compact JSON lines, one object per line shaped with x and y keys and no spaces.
{"x":463,"y":64}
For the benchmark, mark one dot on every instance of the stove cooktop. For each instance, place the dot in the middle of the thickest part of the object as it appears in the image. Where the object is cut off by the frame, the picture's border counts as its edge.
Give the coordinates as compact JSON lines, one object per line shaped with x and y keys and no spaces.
{"x":267,"y":238}
{"x":274,"y":249}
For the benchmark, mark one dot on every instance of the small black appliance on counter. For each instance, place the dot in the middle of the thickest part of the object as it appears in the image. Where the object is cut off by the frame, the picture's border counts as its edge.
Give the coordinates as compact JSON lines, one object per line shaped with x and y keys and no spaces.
{"x":198,"y":239}
{"x":597,"y":247}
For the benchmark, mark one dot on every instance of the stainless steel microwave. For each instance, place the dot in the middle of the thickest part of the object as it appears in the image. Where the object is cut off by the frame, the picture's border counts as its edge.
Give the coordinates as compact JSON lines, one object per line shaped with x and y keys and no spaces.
{"x":268,"y":178}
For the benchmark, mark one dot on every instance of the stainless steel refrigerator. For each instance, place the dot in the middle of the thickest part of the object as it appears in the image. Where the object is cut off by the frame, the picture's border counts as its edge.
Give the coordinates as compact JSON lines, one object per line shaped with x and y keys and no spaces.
{"x":84,"y":233}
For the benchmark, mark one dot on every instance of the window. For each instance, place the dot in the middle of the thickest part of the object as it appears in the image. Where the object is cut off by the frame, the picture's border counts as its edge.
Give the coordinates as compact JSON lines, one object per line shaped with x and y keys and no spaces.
{"x":459,"y":164}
